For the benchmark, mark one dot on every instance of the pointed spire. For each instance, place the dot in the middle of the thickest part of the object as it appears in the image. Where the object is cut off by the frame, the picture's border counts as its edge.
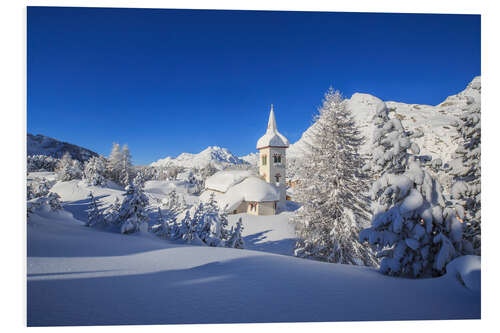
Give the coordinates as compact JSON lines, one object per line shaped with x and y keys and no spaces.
{"x":271,"y":124}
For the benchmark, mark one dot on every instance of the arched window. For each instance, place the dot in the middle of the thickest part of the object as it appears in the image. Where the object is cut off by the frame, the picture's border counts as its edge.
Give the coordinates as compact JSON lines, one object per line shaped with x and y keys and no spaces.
{"x":264,"y":159}
{"x":277,"y":176}
{"x":277,"y":158}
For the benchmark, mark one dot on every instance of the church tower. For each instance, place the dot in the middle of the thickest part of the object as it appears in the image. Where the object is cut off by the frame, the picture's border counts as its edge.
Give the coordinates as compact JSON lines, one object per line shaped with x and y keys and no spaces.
{"x":272,"y":160}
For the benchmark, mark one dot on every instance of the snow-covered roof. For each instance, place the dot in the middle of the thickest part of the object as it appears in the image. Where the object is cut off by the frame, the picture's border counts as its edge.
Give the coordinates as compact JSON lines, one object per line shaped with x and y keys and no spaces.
{"x":252,"y":188}
{"x":272,"y":137}
{"x":223,"y":180}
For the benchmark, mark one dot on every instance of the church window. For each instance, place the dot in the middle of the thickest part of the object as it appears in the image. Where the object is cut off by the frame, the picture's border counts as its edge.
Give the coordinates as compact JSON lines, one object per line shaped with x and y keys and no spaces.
{"x":277,"y":158}
{"x":277,"y":176}
{"x":264,"y":159}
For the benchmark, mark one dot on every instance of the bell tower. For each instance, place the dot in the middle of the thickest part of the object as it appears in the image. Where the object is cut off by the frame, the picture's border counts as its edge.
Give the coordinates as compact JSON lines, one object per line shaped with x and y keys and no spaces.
{"x":272,"y":156}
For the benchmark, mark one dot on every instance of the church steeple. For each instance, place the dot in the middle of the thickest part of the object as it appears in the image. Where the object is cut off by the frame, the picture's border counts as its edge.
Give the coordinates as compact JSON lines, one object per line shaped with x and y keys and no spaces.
{"x":271,"y":124}
{"x":272,"y":138}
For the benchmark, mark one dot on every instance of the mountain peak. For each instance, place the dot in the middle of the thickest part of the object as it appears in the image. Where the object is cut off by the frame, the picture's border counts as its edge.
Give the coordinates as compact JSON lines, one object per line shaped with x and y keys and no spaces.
{"x":219,"y":157}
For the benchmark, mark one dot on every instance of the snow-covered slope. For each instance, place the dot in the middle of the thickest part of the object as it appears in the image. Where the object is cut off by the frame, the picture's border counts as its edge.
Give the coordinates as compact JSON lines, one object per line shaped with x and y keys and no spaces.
{"x":217,"y":156}
{"x":43,"y":145}
{"x":251,"y":158}
{"x":83,"y":276}
{"x":435,"y":122}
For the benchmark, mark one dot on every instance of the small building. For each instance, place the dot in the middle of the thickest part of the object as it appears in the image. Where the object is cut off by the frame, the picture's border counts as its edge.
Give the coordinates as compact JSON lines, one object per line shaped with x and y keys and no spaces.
{"x":240,"y":191}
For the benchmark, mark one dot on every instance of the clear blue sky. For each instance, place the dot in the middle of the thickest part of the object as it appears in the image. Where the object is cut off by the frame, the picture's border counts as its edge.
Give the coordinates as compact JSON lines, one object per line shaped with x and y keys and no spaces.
{"x":172,"y":81}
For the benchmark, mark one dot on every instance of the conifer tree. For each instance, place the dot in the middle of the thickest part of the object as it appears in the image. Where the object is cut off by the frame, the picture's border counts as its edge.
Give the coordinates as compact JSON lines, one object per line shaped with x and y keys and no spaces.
{"x":466,"y":171}
{"x":95,"y":170}
{"x":413,"y":229}
{"x":332,"y":189}
{"x":235,"y":236}
{"x":114,"y":164}
{"x":132,"y":214}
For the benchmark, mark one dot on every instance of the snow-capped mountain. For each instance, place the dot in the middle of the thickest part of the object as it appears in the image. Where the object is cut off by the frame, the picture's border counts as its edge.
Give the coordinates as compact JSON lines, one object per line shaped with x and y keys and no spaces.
{"x":434,"y":122}
{"x":251,"y":158}
{"x":217,"y":156}
{"x":43,"y":145}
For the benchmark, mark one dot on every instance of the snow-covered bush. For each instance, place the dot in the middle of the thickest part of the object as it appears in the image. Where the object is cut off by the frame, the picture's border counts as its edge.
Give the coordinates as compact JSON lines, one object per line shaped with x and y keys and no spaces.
{"x":413,"y":230}
{"x":38,"y":187}
{"x":172,"y":206}
{"x":332,"y":190}
{"x":41,"y":163}
{"x":68,"y":169}
{"x":132,"y":212}
{"x":466,"y":171}
{"x":50,"y":202}
{"x":94,"y":215}
{"x":207,"y":224}
{"x":95,"y":170}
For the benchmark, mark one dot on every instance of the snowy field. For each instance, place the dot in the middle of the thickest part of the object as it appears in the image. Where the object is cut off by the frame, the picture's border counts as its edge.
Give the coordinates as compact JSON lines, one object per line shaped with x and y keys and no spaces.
{"x":83,"y":276}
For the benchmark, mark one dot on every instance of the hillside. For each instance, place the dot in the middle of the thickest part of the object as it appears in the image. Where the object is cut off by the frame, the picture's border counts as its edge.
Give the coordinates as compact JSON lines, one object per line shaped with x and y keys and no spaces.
{"x":435,"y":122}
{"x":217,"y":156}
{"x":44,"y":145}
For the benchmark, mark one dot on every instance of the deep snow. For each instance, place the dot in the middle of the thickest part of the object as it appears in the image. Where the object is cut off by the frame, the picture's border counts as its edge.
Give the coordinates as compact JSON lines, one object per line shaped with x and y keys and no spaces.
{"x":83,"y":276}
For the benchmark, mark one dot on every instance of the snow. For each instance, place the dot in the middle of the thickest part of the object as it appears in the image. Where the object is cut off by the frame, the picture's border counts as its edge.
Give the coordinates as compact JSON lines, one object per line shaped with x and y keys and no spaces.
{"x":223,"y":180}
{"x":467,"y":270}
{"x":251,"y":188}
{"x":272,"y":138}
{"x":83,"y":276}
{"x":252,"y":158}
{"x":217,"y":156}
{"x":435,"y":121}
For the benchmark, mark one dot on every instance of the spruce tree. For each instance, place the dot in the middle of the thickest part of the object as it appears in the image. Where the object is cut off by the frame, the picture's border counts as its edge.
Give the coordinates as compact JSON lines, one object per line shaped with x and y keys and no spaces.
{"x":413,"y":229}
{"x":132,"y":214}
{"x":466,"y":171}
{"x":235,"y":236}
{"x":332,"y":189}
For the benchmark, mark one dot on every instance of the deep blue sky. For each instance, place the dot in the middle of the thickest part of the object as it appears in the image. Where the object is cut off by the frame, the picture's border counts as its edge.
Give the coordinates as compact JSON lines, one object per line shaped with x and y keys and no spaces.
{"x":172,"y":81}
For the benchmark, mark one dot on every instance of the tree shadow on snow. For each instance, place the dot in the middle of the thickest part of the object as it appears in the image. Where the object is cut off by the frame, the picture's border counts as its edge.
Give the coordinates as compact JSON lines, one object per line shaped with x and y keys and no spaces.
{"x":243,"y":290}
{"x":257,"y":242}
{"x":79,"y":208}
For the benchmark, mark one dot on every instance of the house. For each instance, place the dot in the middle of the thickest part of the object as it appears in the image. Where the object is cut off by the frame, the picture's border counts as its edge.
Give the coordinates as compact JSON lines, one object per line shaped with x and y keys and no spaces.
{"x":240,"y":191}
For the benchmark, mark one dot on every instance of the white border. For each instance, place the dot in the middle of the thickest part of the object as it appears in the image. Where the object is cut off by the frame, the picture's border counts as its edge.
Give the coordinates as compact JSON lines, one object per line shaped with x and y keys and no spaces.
{"x":13,"y":100}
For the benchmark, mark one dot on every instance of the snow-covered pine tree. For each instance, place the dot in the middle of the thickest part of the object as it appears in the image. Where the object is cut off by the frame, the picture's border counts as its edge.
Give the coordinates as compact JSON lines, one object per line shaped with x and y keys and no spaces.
{"x":235,"y":238}
{"x":94,"y":215}
{"x":66,"y":168}
{"x":53,"y":200}
{"x":466,"y":171}
{"x":126,"y":166}
{"x":174,"y":203}
{"x":412,"y":229}
{"x":166,"y":226}
{"x":132,"y":214}
{"x":331,"y":189}
{"x":113,"y":165}
{"x":139,"y":179}
{"x":95,"y":170}
{"x":390,"y":145}
{"x":188,"y":230}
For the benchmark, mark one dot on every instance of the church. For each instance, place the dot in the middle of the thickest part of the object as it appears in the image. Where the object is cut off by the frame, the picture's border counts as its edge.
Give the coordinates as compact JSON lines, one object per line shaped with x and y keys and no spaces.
{"x":241,"y":191}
